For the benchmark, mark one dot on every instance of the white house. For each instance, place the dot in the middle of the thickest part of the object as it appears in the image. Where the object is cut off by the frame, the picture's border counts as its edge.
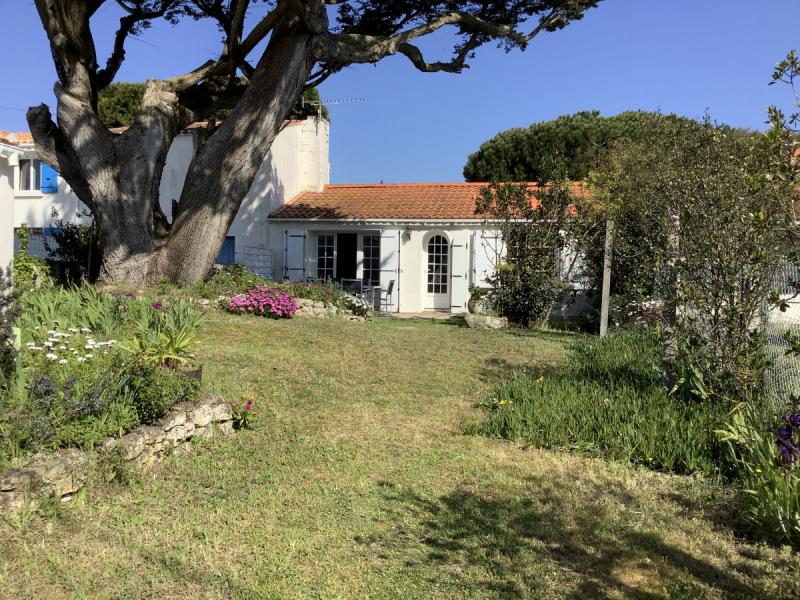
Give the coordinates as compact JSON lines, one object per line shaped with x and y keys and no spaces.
{"x":297,"y":162}
{"x":421,"y":242}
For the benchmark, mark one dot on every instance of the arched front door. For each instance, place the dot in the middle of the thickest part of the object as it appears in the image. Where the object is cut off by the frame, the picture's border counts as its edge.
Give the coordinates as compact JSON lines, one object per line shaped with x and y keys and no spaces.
{"x":437,"y":273}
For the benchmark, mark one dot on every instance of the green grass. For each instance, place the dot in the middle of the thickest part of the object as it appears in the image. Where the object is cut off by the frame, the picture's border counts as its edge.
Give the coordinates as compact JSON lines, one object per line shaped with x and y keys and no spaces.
{"x":357,"y":483}
{"x":609,"y":400}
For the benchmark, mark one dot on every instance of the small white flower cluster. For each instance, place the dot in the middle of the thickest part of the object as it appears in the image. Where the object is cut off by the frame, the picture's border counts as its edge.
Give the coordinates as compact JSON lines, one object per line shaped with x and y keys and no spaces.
{"x":60,"y":345}
{"x":357,"y":302}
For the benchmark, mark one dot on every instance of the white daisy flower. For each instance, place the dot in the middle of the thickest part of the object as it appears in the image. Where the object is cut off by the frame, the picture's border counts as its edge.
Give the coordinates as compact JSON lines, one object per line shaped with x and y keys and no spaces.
{"x":63,"y":361}
{"x":51,"y":356}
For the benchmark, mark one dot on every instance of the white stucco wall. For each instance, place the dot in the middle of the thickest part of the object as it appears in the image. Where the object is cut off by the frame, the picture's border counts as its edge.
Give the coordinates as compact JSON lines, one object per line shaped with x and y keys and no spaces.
{"x":6,"y":214}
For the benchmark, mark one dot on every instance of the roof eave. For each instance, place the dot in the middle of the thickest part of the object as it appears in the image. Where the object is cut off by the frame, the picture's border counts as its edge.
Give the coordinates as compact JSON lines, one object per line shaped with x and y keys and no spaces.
{"x":8,"y":149}
{"x":383,"y":220}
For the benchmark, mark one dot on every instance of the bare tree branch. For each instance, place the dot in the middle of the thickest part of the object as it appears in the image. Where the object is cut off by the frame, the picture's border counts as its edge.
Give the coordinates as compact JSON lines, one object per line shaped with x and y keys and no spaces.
{"x":55,"y":150}
{"x":127,"y":25}
{"x":346,"y":48}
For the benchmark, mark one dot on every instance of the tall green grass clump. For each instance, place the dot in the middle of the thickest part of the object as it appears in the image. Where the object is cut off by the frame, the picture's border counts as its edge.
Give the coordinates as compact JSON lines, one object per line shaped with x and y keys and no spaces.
{"x":608,"y":400}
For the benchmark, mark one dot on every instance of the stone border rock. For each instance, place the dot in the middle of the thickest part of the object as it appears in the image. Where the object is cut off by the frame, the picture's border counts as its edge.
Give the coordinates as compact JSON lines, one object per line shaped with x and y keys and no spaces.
{"x":63,"y":473}
{"x":475,"y":321}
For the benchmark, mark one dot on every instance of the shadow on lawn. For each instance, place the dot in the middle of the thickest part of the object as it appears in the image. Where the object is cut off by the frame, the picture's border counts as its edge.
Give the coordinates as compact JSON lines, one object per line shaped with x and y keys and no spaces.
{"x":511,"y":537}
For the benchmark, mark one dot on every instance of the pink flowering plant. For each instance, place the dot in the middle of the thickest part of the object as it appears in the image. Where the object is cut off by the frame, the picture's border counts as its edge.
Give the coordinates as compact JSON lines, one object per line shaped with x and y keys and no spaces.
{"x":242,"y":415}
{"x":266,"y":301}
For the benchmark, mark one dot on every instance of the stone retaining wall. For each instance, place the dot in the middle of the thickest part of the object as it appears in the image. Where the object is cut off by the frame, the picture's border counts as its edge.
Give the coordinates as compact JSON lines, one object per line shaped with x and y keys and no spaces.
{"x":63,"y":473}
{"x":317,"y":308}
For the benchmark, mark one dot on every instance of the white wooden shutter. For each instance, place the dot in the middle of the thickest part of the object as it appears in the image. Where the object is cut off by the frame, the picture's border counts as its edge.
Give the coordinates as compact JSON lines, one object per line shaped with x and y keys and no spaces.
{"x":487,"y":249}
{"x":390,"y":265}
{"x":459,"y":271}
{"x":294,"y":254}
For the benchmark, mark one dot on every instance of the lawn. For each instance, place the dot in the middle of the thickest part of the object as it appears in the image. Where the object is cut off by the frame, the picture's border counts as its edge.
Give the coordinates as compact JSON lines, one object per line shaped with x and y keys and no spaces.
{"x":356,"y":482}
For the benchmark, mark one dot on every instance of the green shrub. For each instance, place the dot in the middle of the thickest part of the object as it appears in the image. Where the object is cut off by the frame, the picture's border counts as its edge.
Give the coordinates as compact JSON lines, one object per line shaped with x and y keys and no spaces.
{"x":91,"y":365}
{"x":156,"y":389}
{"x":232,"y":279}
{"x":29,"y":272}
{"x":316,"y":291}
{"x":608,"y":401}
{"x":165,"y":334}
{"x":90,"y":431}
{"x":9,"y":307}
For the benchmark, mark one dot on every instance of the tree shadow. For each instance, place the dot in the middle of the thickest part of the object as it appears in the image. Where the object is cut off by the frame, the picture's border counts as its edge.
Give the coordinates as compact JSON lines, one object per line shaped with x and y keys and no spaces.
{"x":488,"y":530}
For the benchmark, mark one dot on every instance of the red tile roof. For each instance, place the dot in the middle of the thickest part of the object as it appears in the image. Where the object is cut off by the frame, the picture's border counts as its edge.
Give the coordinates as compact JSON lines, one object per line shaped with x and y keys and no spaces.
{"x":15,"y":138}
{"x":425,"y":201}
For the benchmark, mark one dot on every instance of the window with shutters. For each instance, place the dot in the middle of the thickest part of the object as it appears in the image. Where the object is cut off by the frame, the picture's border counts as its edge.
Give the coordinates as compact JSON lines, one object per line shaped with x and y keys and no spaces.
{"x":29,"y":177}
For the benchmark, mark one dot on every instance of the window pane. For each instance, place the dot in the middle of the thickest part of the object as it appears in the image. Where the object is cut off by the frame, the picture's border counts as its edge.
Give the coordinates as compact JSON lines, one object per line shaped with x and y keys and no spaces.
{"x":438,"y":251}
{"x":24,"y":174}
{"x":371,"y":264}
{"x":37,"y":175}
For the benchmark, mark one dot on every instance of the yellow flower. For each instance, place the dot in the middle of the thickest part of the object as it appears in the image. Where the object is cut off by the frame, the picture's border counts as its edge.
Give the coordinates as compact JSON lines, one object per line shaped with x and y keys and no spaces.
{"x":758,"y":469}
{"x":541,"y":379}
{"x":502,"y":402}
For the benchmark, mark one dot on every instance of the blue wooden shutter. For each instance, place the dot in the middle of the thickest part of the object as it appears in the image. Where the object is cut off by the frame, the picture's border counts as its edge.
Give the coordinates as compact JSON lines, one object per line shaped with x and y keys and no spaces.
{"x":227,"y":254}
{"x":49,"y":179}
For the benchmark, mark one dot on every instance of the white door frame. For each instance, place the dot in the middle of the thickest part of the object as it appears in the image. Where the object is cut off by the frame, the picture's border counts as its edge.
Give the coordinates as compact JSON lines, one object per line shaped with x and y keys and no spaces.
{"x":432,"y":300}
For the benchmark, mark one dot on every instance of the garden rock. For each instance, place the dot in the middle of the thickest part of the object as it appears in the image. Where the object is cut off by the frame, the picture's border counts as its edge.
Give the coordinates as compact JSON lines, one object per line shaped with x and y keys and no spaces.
{"x":60,"y":475}
{"x":485,"y":321}
{"x":222,"y":412}
{"x":202,"y":415}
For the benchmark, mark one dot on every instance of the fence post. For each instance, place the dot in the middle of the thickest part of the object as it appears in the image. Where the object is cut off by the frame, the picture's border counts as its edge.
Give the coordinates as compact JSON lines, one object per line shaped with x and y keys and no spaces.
{"x":606,"y":291}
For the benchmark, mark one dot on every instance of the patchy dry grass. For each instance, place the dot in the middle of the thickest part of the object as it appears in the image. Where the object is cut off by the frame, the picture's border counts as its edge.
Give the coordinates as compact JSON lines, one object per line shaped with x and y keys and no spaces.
{"x":356,"y":483}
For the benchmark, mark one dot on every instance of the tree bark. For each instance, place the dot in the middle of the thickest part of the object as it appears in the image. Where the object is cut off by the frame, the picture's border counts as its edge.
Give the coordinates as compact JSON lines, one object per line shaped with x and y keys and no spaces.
{"x":225,"y":166}
{"x":116,"y":176}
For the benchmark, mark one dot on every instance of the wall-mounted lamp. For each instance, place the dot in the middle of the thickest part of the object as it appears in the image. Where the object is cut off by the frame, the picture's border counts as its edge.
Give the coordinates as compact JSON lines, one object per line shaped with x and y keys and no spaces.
{"x":406,"y":235}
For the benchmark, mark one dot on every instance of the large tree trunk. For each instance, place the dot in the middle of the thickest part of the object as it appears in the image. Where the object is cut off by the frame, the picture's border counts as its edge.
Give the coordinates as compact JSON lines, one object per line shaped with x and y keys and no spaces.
{"x":225,"y":166}
{"x":116,"y":176}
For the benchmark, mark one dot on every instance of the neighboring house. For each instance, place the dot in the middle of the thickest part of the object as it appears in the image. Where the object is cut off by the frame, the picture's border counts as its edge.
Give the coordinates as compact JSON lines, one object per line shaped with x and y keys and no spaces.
{"x":423,"y":240}
{"x":297,"y":162}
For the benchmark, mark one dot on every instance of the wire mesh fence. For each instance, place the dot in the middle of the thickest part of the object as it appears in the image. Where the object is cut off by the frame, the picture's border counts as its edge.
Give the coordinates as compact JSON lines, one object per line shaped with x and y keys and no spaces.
{"x":782,"y":380}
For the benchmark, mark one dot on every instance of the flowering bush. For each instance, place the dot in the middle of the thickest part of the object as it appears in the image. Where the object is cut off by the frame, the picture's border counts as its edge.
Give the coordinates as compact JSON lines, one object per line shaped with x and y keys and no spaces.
{"x":92,"y":364}
{"x":242,"y":415}
{"x":765,"y":464}
{"x":358,"y":306}
{"x":266,"y":301}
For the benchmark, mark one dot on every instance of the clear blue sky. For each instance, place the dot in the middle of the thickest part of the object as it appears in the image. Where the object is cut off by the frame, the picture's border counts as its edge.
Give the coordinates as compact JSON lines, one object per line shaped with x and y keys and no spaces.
{"x":683,"y":56}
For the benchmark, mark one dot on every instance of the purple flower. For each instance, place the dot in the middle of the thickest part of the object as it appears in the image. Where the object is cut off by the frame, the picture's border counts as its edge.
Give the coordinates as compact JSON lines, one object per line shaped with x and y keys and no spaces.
{"x":157,"y":305}
{"x":789,"y":438}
